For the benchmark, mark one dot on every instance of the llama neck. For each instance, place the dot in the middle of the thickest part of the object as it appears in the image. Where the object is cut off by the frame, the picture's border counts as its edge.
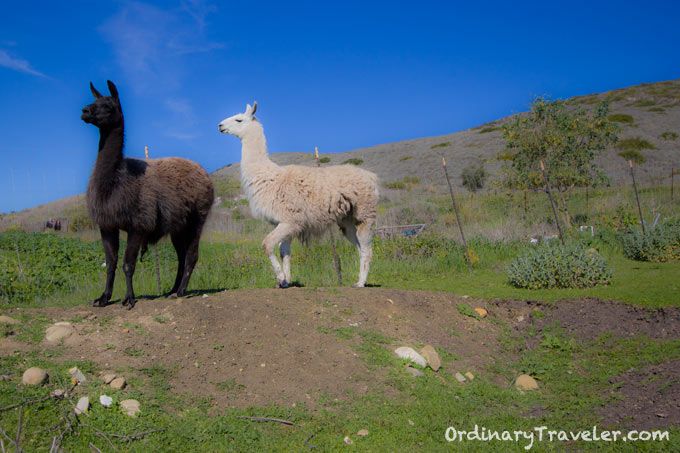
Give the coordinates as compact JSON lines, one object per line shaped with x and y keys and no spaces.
{"x":109,"y":158}
{"x":254,"y":152}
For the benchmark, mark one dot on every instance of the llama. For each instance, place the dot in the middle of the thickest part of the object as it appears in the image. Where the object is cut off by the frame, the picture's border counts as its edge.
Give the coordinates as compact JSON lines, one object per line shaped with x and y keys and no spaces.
{"x":146,"y":198}
{"x":303,"y":201}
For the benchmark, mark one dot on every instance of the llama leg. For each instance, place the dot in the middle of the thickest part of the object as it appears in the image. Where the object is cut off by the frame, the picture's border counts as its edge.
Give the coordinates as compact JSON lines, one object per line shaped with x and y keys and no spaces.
{"x":135,"y":241}
{"x":365,"y":252}
{"x":189,"y":262}
{"x":284,"y":250}
{"x":110,"y":243}
{"x":180,"y":245}
{"x":281,"y":233}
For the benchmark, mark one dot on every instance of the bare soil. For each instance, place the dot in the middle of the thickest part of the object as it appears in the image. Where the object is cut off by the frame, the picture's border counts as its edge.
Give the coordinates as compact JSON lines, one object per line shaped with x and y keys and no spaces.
{"x":302,"y":345}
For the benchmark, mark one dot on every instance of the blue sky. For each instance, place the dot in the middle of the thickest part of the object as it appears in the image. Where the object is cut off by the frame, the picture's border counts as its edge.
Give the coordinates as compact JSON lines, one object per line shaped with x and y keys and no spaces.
{"x":337,"y":75}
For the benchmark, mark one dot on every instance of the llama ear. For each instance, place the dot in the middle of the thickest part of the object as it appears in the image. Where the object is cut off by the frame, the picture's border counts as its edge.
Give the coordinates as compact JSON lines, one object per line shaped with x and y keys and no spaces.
{"x":96,"y":93}
{"x":254,"y":108}
{"x":112,"y":89}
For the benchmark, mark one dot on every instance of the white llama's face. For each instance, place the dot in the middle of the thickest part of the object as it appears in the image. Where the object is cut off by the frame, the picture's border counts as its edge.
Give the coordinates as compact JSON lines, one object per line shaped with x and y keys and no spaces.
{"x":238,"y":124}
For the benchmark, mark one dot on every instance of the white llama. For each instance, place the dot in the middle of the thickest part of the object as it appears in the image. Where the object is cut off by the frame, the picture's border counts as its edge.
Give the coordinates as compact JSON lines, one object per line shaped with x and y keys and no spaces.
{"x":303,"y":201}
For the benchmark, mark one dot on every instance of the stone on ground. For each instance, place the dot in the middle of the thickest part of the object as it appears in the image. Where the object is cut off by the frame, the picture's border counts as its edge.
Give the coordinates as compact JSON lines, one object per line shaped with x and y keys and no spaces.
{"x":108,"y":378}
{"x":83,"y":405}
{"x":34,"y":376}
{"x":362,"y":432}
{"x":415,"y":372}
{"x":432,"y":357}
{"x":408,"y":353}
{"x":526,"y":382}
{"x":469,"y":375}
{"x":131,"y":407}
{"x":481,"y":312}
{"x":118,"y":383}
{"x":460,"y":377}
{"x":7,"y":320}
{"x":76,"y":373}
{"x":58,"y":332}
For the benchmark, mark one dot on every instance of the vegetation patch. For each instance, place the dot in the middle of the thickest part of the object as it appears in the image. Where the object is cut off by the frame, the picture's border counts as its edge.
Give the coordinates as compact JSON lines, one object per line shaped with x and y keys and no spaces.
{"x":324,"y":159}
{"x":557,"y":266}
{"x":634,"y":144}
{"x":354,"y":161}
{"x":657,"y":110}
{"x":658,"y":245}
{"x":623,"y":118}
{"x":486,"y":130}
{"x":669,"y":135}
{"x":440,"y":145}
{"x":642,"y":103}
{"x":633,"y":155}
{"x":405,"y":158}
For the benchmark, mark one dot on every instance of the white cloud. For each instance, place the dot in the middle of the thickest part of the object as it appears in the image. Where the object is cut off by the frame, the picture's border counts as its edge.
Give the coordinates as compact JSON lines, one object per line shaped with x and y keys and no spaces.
{"x":18,"y":64}
{"x":150,"y":43}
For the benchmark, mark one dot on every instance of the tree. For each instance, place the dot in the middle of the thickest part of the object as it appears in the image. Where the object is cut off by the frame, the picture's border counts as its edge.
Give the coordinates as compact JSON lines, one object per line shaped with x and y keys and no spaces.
{"x":566,"y":139}
{"x":473,"y":177}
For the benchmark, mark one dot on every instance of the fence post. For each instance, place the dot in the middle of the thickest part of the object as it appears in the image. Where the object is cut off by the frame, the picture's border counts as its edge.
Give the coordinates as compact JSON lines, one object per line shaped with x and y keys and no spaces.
{"x":155,"y":246}
{"x":336,"y":259}
{"x":552,"y":202}
{"x":455,"y":208}
{"x":637,"y":198}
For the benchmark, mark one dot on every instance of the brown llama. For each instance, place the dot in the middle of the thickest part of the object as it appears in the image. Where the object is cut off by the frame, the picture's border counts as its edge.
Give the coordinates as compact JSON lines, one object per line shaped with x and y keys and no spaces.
{"x":146,"y":198}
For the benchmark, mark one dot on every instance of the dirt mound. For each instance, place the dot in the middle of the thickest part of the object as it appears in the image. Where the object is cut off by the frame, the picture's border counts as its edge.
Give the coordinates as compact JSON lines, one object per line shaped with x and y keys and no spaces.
{"x":648,"y":398}
{"x":255,"y":347}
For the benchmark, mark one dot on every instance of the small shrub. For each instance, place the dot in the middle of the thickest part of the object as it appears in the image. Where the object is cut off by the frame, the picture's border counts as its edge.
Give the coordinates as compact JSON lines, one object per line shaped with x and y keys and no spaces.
{"x":486,"y":130}
{"x":633,"y":155}
{"x":621,"y":118}
{"x":659,"y":245}
{"x":505,"y":156}
{"x":657,"y":110}
{"x":634,"y":144}
{"x":474,"y":177}
{"x":465,"y":310}
{"x":324,"y":159}
{"x":395,"y":185}
{"x":669,"y":136}
{"x":642,"y":103}
{"x":411,"y":179}
{"x":405,"y":158}
{"x":354,"y":161}
{"x":557,"y":266}
{"x":440,"y":145}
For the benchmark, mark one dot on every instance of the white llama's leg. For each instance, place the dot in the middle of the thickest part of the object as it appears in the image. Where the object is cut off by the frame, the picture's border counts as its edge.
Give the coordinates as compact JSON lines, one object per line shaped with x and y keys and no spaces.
{"x":283,"y":232}
{"x":365,"y":252}
{"x":284,"y":250}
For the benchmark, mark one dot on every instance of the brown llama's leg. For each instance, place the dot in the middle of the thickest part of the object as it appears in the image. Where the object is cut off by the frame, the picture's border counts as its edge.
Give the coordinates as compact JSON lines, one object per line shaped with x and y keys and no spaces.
{"x":193,"y":239}
{"x":110,"y":243}
{"x":179,"y":242}
{"x":135,"y":240}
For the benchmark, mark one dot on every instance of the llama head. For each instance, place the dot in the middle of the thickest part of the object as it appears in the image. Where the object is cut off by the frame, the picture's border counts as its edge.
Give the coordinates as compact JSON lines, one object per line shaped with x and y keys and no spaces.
{"x":105,"y":111}
{"x":240,"y":123}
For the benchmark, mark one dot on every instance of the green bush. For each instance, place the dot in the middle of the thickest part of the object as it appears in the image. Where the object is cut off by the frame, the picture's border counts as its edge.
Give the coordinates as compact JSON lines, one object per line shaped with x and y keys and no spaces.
{"x":621,"y":118}
{"x":440,"y":145}
{"x":405,"y":158}
{"x":395,"y":185}
{"x":557,"y":266}
{"x":411,"y":179}
{"x":669,"y":136}
{"x":354,"y":161}
{"x":486,"y":130}
{"x":635,"y":156}
{"x":658,"y":245}
{"x":634,"y":144}
{"x":325,"y":160}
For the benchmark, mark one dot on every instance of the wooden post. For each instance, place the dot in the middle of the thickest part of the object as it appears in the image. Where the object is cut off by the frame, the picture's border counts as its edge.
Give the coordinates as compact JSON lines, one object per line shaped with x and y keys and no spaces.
{"x":155,"y":246}
{"x":455,"y":208}
{"x":552,"y":202}
{"x":336,"y":259}
{"x":637,"y":198}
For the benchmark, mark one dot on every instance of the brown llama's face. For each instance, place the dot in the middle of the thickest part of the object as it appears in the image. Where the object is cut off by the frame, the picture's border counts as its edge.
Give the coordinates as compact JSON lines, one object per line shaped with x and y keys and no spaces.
{"x":104,"y":112}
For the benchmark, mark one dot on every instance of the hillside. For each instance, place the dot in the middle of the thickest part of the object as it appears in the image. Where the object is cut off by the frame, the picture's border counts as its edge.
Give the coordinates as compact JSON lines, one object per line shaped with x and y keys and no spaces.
{"x":649,"y":112}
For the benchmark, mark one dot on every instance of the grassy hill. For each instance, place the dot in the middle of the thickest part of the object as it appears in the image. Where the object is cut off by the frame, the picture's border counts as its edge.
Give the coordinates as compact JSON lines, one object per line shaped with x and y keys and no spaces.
{"x":649,"y":115}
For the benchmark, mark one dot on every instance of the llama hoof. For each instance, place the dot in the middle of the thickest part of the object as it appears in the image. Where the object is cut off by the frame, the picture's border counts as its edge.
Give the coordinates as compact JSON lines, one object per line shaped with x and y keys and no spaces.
{"x":282,"y":285}
{"x":356,"y":285}
{"x":129,"y":303}
{"x":101,"y":302}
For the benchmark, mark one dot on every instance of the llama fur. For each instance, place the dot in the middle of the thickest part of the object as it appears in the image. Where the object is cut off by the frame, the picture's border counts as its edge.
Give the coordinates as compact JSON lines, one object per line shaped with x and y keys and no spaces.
{"x":303,"y":201}
{"x":146,"y":198}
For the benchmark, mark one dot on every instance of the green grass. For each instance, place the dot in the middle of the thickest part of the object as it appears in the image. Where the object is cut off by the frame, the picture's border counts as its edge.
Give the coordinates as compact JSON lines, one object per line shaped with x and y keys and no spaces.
{"x":440,"y":145}
{"x":634,"y":144}
{"x":486,"y":130}
{"x":621,"y":118}
{"x":635,"y":156}
{"x":669,"y":135}
{"x":354,"y":161}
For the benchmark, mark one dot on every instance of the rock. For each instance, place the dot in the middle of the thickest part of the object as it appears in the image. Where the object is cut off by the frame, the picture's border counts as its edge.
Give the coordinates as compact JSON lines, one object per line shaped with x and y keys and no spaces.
{"x":131,"y":407}
{"x":83,"y":405}
{"x":105,"y":400}
{"x":526,"y":382}
{"x":481,"y":312}
{"x":348,"y":441}
{"x":76,"y":373}
{"x":58,"y":393}
{"x":205,"y":295}
{"x":432,"y":357}
{"x":125,"y":330}
{"x":7,"y":320}
{"x":34,"y":376}
{"x":469,"y":375}
{"x":520,"y":318}
{"x":108,"y":378}
{"x":362,"y":432}
{"x":408,"y":353}
{"x":460,"y":377}
{"x":118,"y":383}
{"x":415,"y":372}
{"x":58,"y":332}
{"x":410,"y":422}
